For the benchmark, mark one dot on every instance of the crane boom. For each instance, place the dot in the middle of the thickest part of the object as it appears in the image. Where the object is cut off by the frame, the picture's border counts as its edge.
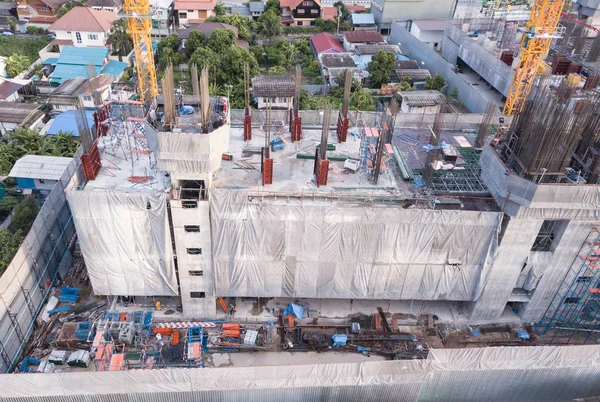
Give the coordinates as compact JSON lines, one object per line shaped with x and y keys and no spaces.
{"x":140,"y":28}
{"x":540,"y":29}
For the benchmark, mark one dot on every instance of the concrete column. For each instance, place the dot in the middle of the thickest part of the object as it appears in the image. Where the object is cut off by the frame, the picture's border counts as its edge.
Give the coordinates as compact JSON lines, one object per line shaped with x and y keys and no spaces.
{"x":516,"y":243}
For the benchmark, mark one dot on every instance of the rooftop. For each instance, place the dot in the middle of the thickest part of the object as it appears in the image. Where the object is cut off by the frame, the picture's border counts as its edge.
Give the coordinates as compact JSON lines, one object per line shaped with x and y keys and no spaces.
{"x":85,"y":19}
{"x":422,"y":98}
{"x":430,"y":25}
{"x":361,"y":36}
{"x":194,"y":5}
{"x":66,"y":122}
{"x":372,"y":49}
{"x":54,"y":4}
{"x":19,"y":113}
{"x":337,"y":60}
{"x":413,"y":74}
{"x":104,"y":3}
{"x":245,"y":11}
{"x":407,"y":64}
{"x":40,"y":167}
{"x":9,"y":87}
{"x":273,"y":85}
{"x":257,"y":6}
{"x":292,"y":4}
{"x":329,"y":13}
{"x":363,"y":19}
{"x":325,"y":42}
{"x":7,"y":6}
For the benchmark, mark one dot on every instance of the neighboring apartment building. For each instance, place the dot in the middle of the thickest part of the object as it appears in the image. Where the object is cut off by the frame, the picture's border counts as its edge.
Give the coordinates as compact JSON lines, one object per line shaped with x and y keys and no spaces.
{"x":162,"y":17}
{"x":194,"y":11}
{"x":114,"y":6}
{"x":78,"y":90}
{"x":39,"y":11}
{"x":300,"y":12}
{"x":83,"y":27}
{"x":386,"y":11}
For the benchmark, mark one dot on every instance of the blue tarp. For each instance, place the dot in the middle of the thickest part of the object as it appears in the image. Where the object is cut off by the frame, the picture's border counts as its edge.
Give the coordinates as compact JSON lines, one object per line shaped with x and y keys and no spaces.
{"x":186,"y":110}
{"x":114,"y":68}
{"x":339,"y":340}
{"x":294,"y":309}
{"x":66,"y":122}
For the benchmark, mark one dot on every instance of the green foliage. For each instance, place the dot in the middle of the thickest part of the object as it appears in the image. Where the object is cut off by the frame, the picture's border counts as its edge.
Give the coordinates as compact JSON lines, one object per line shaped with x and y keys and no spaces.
{"x":168,"y":51}
{"x":243,"y":24}
{"x":454,"y":93}
{"x":23,"y":141}
{"x":16,"y":64}
{"x":28,"y":47}
{"x":7,"y":204}
{"x":437,"y":82}
{"x":405,"y":85}
{"x":195,"y":41}
{"x":12,"y":24}
{"x":318,"y":80}
{"x":35,"y":30}
{"x":313,"y":69}
{"x":219,"y":8}
{"x":258,"y":52}
{"x":273,"y":5}
{"x":204,"y":57}
{"x":24,"y":214}
{"x":221,"y":39}
{"x":380,"y":68}
{"x":68,"y":6}
{"x":9,"y":245}
{"x":325,"y":25}
{"x":281,"y":53}
{"x":269,"y":25}
{"x":121,"y":42}
{"x":277,"y":70}
{"x":345,"y":13}
{"x":232,"y":63}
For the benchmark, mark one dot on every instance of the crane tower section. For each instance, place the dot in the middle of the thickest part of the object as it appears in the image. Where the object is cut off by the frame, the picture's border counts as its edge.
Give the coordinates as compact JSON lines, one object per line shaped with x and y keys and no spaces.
{"x":140,"y":28}
{"x":540,"y":29}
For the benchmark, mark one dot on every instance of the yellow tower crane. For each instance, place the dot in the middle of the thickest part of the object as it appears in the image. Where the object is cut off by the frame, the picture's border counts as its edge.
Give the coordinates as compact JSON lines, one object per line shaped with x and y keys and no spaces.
{"x":539,"y":31}
{"x":137,"y":13}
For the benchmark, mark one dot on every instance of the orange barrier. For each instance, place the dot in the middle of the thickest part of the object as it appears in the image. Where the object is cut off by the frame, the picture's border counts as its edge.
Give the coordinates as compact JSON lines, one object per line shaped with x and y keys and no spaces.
{"x":162,"y":331}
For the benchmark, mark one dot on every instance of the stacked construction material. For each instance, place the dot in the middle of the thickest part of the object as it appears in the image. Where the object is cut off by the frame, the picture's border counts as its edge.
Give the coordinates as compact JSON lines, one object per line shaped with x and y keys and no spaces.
{"x":231,"y":330}
{"x":28,"y":361}
{"x":45,"y":367}
{"x":82,"y":330}
{"x":194,"y":343}
{"x":250,"y":337}
{"x":69,"y":295}
{"x":79,"y":358}
{"x":58,"y":357}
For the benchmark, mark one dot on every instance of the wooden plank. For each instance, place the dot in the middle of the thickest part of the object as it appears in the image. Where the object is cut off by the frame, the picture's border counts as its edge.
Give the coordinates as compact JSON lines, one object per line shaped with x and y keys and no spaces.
{"x":429,"y":320}
{"x":290,"y":318}
{"x":395,"y":323}
{"x":386,"y":326}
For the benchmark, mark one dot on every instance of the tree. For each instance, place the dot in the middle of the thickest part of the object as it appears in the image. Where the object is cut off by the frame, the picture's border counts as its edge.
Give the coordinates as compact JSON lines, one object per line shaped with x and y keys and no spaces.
{"x":343,"y":11}
{"x":9,"y":245}
{"x":219,"y":8}
{"x":232,"y":64}
{"x":454,"y":93}
{"x":221,"y":39}
{"x":195,"y":41}
{"x":258,"y":52}
{"x":16,"y":64}
{"x":277,"y":70}
{"x":380,"y":68}
{"x":269,"y":25}
{"x":121,"y":42}
{"x":273,"y":5}
{"x":405,"y":85}
{"x":25,"y":213}
{"x":243,"y":24}
{"x":435,"y":83}
{"x":204,"y":57}
{"x":168,"y":51}
{"x":290,"y":52}
{"x":12,"y":24}
{"x":7,"y":204}
{"x":68,"y":6}
{"x":325,"y":25}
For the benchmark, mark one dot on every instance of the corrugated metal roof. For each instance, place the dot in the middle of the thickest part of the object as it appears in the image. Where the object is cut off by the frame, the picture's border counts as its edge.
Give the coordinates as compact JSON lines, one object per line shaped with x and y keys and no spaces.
{"x":273,"y":85}
{"x":337,"y":60}
{"x":66,"y":122}
{"x":19,"y":113}
{"x":257,"y":6}
{"x":413,"y":74}
{"x":325,"y":42}
{"x":245,"y":11}
{"x":7,"y":88}
{"x":422,"y":98}
{"x":372,"y":49}
{"x":40,"y":167}
{"x":114,"y":68}
{"x":82,"y":55}
{"x":364,"y":37}
{"x":363,"y":19}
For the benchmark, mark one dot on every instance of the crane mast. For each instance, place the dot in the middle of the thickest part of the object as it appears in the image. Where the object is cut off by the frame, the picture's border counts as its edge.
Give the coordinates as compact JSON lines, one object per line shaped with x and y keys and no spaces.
{"x":140,"y":28}
{"x":540,"y":29}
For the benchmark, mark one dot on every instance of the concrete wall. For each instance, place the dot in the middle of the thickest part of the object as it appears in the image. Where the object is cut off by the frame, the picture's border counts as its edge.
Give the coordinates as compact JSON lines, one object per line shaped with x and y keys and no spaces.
{"x":386,"y":11}
{"x":415,"y":49}
{"x":433,"y":39}
{"x":41,"y":255}
{"x":458,"y":44}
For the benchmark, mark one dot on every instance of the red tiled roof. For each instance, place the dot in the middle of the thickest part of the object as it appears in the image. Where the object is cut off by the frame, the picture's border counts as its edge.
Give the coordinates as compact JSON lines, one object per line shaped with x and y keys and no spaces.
{"x":356,"y":8}
{"x":195,"y":5}
{"x":42,"y":19}
{"x":67,"y":42}
{"x":292,"y":4}
{"x":329,"y":13}
{"x":84,"y":19}
{"x":363,"y":37}
{"x":325,"y":42}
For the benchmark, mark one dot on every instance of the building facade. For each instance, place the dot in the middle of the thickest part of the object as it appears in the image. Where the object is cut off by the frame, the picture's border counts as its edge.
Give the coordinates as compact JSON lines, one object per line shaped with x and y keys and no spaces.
{"x":387,"y":11}
{"x":83,"y":27}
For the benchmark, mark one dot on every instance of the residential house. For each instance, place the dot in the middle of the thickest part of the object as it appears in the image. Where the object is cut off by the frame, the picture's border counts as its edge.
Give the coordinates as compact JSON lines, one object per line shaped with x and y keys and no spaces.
{"x":365,"y":22}
{"x":9,"y":89}
{"x":361,"y":37}
{"x":39,"y":172}
{"x":300,"y":12}
{"x":79,"y":90}
{"x":329,"y":13}
{"x":276,"y":89}
{"x":241,"y":10}
{"x":7,"y":11}
{"x":38,"y":12}
{"x":207,"y":28}
{"x":364,"y":53}
{"x":430,"y":32}
{"x":75,"y":61}
{"x":334,"y":65}
{"x":386,"y":11}
{"x":256,"y":8}
{"x":424,"y":102}
{"x":325,"y":43}
{"x":114,"y":6}
{"x":162,"y":17}
{"x":193,"y":11}
{"x":83,"y":27}
{"x":14,"y":114}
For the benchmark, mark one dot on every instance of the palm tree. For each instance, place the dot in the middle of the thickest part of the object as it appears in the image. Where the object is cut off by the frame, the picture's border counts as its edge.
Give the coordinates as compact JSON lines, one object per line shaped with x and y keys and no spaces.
{"x":120,"y":40}
{"x":269,"y":25}
{"x":16,"y":64}
{"x":290,"y":51}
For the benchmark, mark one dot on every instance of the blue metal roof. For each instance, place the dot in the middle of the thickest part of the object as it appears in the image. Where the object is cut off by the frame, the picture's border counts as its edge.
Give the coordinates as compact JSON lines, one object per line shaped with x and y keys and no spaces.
{"x":257,"y":6}
{"x":114,"y":68}
{"x":66,"y":122}
{"x":245,"y":11}
{"x":82,"y":55}
{"x":50,"y":61}
{"x":63,"y":72}
{"x":363,"y":19}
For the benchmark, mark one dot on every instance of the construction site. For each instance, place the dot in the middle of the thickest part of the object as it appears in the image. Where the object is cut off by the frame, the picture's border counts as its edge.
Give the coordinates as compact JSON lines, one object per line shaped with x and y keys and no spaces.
{"x":204,"y":253}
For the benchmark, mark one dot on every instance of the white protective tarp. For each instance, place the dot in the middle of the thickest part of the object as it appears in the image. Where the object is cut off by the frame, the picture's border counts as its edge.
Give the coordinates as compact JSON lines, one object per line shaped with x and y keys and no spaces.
{"x":534,"y":269}
{"x":125,"y":242}
{"x":304,"y":249}
{"x":183,"y":152}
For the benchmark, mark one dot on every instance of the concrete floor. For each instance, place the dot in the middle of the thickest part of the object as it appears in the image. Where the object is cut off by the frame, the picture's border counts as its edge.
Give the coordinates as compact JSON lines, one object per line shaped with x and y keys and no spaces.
{"x":482,"y":87}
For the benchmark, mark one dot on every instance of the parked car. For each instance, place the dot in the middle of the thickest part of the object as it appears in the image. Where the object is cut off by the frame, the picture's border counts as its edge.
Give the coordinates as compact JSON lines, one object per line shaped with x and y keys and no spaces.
{"x":7,"y":33}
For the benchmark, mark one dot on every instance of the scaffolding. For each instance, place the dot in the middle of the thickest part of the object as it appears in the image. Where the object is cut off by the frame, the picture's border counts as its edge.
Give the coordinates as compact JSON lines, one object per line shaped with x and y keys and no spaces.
{"x":575,"y":309}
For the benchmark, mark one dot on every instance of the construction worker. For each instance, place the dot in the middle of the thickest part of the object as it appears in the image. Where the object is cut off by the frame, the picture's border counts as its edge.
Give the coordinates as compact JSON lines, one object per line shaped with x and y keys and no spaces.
{"x":231,"y":309}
